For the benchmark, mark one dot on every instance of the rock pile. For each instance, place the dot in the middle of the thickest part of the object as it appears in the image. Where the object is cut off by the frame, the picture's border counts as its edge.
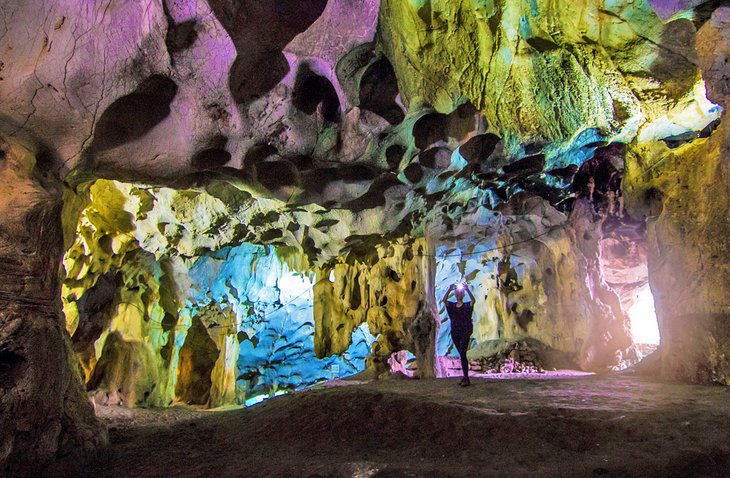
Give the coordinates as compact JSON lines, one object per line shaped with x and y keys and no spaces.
{"x":509,"y":357}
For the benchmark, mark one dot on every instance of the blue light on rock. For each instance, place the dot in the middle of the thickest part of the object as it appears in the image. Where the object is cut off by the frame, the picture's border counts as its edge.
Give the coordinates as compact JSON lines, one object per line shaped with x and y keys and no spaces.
{"x":275,"y":325}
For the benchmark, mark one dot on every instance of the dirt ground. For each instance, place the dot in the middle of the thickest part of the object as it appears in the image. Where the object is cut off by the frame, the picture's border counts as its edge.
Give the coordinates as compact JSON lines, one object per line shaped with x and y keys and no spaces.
{"x":593,"y":426}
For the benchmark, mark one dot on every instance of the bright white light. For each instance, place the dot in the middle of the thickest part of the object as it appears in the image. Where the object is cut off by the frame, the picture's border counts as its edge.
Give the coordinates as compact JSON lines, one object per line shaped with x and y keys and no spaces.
{"x":294,"y":287}
{"x":332,"y":275}
{"x":644,"y":328}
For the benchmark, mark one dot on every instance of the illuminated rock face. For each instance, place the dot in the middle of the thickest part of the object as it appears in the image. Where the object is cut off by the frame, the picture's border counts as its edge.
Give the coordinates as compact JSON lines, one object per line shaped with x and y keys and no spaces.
{"x":159,"y":311}
{"x":43,"y":409}
{"x":685,"y":193}
{"x":262,"y":148}
{"x":541,"y":71}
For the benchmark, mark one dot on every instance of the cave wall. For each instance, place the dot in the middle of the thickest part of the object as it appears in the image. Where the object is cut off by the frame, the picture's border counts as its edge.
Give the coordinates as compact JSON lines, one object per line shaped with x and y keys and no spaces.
{"x":685,"y":193}
{"x":160,"y":312}
{"x":537,"y":279}
{"x":388,"y":290}
{"x":43,"y":409}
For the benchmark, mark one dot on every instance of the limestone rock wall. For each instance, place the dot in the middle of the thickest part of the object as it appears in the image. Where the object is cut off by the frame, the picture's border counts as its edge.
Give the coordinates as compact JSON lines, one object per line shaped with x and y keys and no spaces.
{"x":388,"y":292}
{"x":164,"y":305}
{"x":536,"y":279}
{"x":686,"y":197}
{"x":685,"y":193}
{"x":44,"y":412}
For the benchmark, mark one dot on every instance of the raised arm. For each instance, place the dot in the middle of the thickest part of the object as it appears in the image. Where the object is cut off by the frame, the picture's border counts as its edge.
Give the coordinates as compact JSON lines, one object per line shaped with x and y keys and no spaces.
{"x":448,"y":293}
{"x":468,"y":291}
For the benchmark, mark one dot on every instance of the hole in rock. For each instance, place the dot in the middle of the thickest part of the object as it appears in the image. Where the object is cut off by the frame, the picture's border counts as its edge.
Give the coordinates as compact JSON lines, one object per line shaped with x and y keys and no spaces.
{"x":252,"y":77}
{"x":12,"y":367}
{"x":312,"y":91}
{"x":260,"y":30}
{"x":413,"y":172}
{"x":439,"y":158}
{"x":526,"y":166}
{"x":275,"y":174}
{"x":132,"y":116}
{"x":375,"y":196}
{"x":181,"y":36}
{"x":394,"y":154}
{"x":356,"y":172}
{"x":436,"y":127}
{"x":429,"y":129}
{"x":214,"y":156}
{"x":378,"y":90}
{"x":258,"y":153}
{"x":478,"y":148}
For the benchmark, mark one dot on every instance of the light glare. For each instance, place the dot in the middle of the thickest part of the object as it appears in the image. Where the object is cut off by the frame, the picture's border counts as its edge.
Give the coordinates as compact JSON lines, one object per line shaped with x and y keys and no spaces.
{"x":644,"y":328}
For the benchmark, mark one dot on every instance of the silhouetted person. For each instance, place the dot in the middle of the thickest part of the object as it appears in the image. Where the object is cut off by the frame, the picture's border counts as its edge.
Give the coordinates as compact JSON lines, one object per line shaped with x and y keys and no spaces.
{"x":461,"y":325}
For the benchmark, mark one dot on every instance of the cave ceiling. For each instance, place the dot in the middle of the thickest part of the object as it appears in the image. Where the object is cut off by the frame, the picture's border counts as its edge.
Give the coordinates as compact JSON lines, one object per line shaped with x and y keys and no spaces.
{"x":327,"y":128}
{"x":365,"y":117}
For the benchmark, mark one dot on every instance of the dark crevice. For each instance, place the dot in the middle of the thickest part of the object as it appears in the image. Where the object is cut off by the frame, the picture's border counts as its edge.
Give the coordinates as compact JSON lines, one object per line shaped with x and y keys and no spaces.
{"x":311,"y":90}
{"x":214,"y":156}
{"x":564,"y":173}
{"x":357,"y":172}
{"x":434,"y":127}
{"x":180,"y":36}
{"x":435,"y":158}
{"x":429,"y":129}
{"x":678,"y":140}
{"x":542,"y":44}
{"x":479,"y":148}
{"x":413,"y":172}
{"x":525,"y":166}
{"x":374,"y":197}
{"x":378,"y":91}
{"x":258,"y":153}
{"x":275,"y":174}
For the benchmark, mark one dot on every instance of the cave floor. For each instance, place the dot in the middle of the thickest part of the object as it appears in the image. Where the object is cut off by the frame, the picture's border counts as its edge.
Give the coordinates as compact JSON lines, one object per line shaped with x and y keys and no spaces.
{"x":609,"y":426}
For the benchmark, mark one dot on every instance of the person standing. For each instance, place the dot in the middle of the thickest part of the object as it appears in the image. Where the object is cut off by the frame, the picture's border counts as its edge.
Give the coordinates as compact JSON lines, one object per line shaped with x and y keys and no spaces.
{"x":460,"y":313}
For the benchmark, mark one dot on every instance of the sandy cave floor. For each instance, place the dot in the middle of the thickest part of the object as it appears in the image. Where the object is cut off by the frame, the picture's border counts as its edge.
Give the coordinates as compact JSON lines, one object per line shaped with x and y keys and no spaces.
{"x":608,"y":426}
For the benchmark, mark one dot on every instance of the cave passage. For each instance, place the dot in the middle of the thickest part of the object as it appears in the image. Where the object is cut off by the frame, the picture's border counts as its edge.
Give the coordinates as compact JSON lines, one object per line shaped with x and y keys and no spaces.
{"x":644,"y":326}
{"x":225,"y":327}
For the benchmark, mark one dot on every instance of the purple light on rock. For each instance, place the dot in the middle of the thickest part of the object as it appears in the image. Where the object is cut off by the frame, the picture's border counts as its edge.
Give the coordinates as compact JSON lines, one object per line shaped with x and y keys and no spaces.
{"x":668,"y":8}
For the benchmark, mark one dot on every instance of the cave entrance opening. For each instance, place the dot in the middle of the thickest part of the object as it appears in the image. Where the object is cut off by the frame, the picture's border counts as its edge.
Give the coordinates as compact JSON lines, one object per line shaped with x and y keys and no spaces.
{"x":643,"y":322}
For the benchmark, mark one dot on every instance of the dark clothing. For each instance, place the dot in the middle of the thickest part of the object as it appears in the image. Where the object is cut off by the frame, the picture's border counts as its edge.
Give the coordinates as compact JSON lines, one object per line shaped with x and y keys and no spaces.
{"x":461,"y":329}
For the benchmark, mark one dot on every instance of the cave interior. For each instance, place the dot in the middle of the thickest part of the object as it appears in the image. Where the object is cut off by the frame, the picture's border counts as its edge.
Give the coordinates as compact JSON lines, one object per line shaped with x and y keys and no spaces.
{"x":229,"y":201}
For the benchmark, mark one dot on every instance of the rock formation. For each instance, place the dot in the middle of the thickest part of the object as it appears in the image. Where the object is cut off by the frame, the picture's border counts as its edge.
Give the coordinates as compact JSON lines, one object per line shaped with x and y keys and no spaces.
{"x":685,"y":194}
{"x":44,"y":412}
{"x":245,"y":197}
